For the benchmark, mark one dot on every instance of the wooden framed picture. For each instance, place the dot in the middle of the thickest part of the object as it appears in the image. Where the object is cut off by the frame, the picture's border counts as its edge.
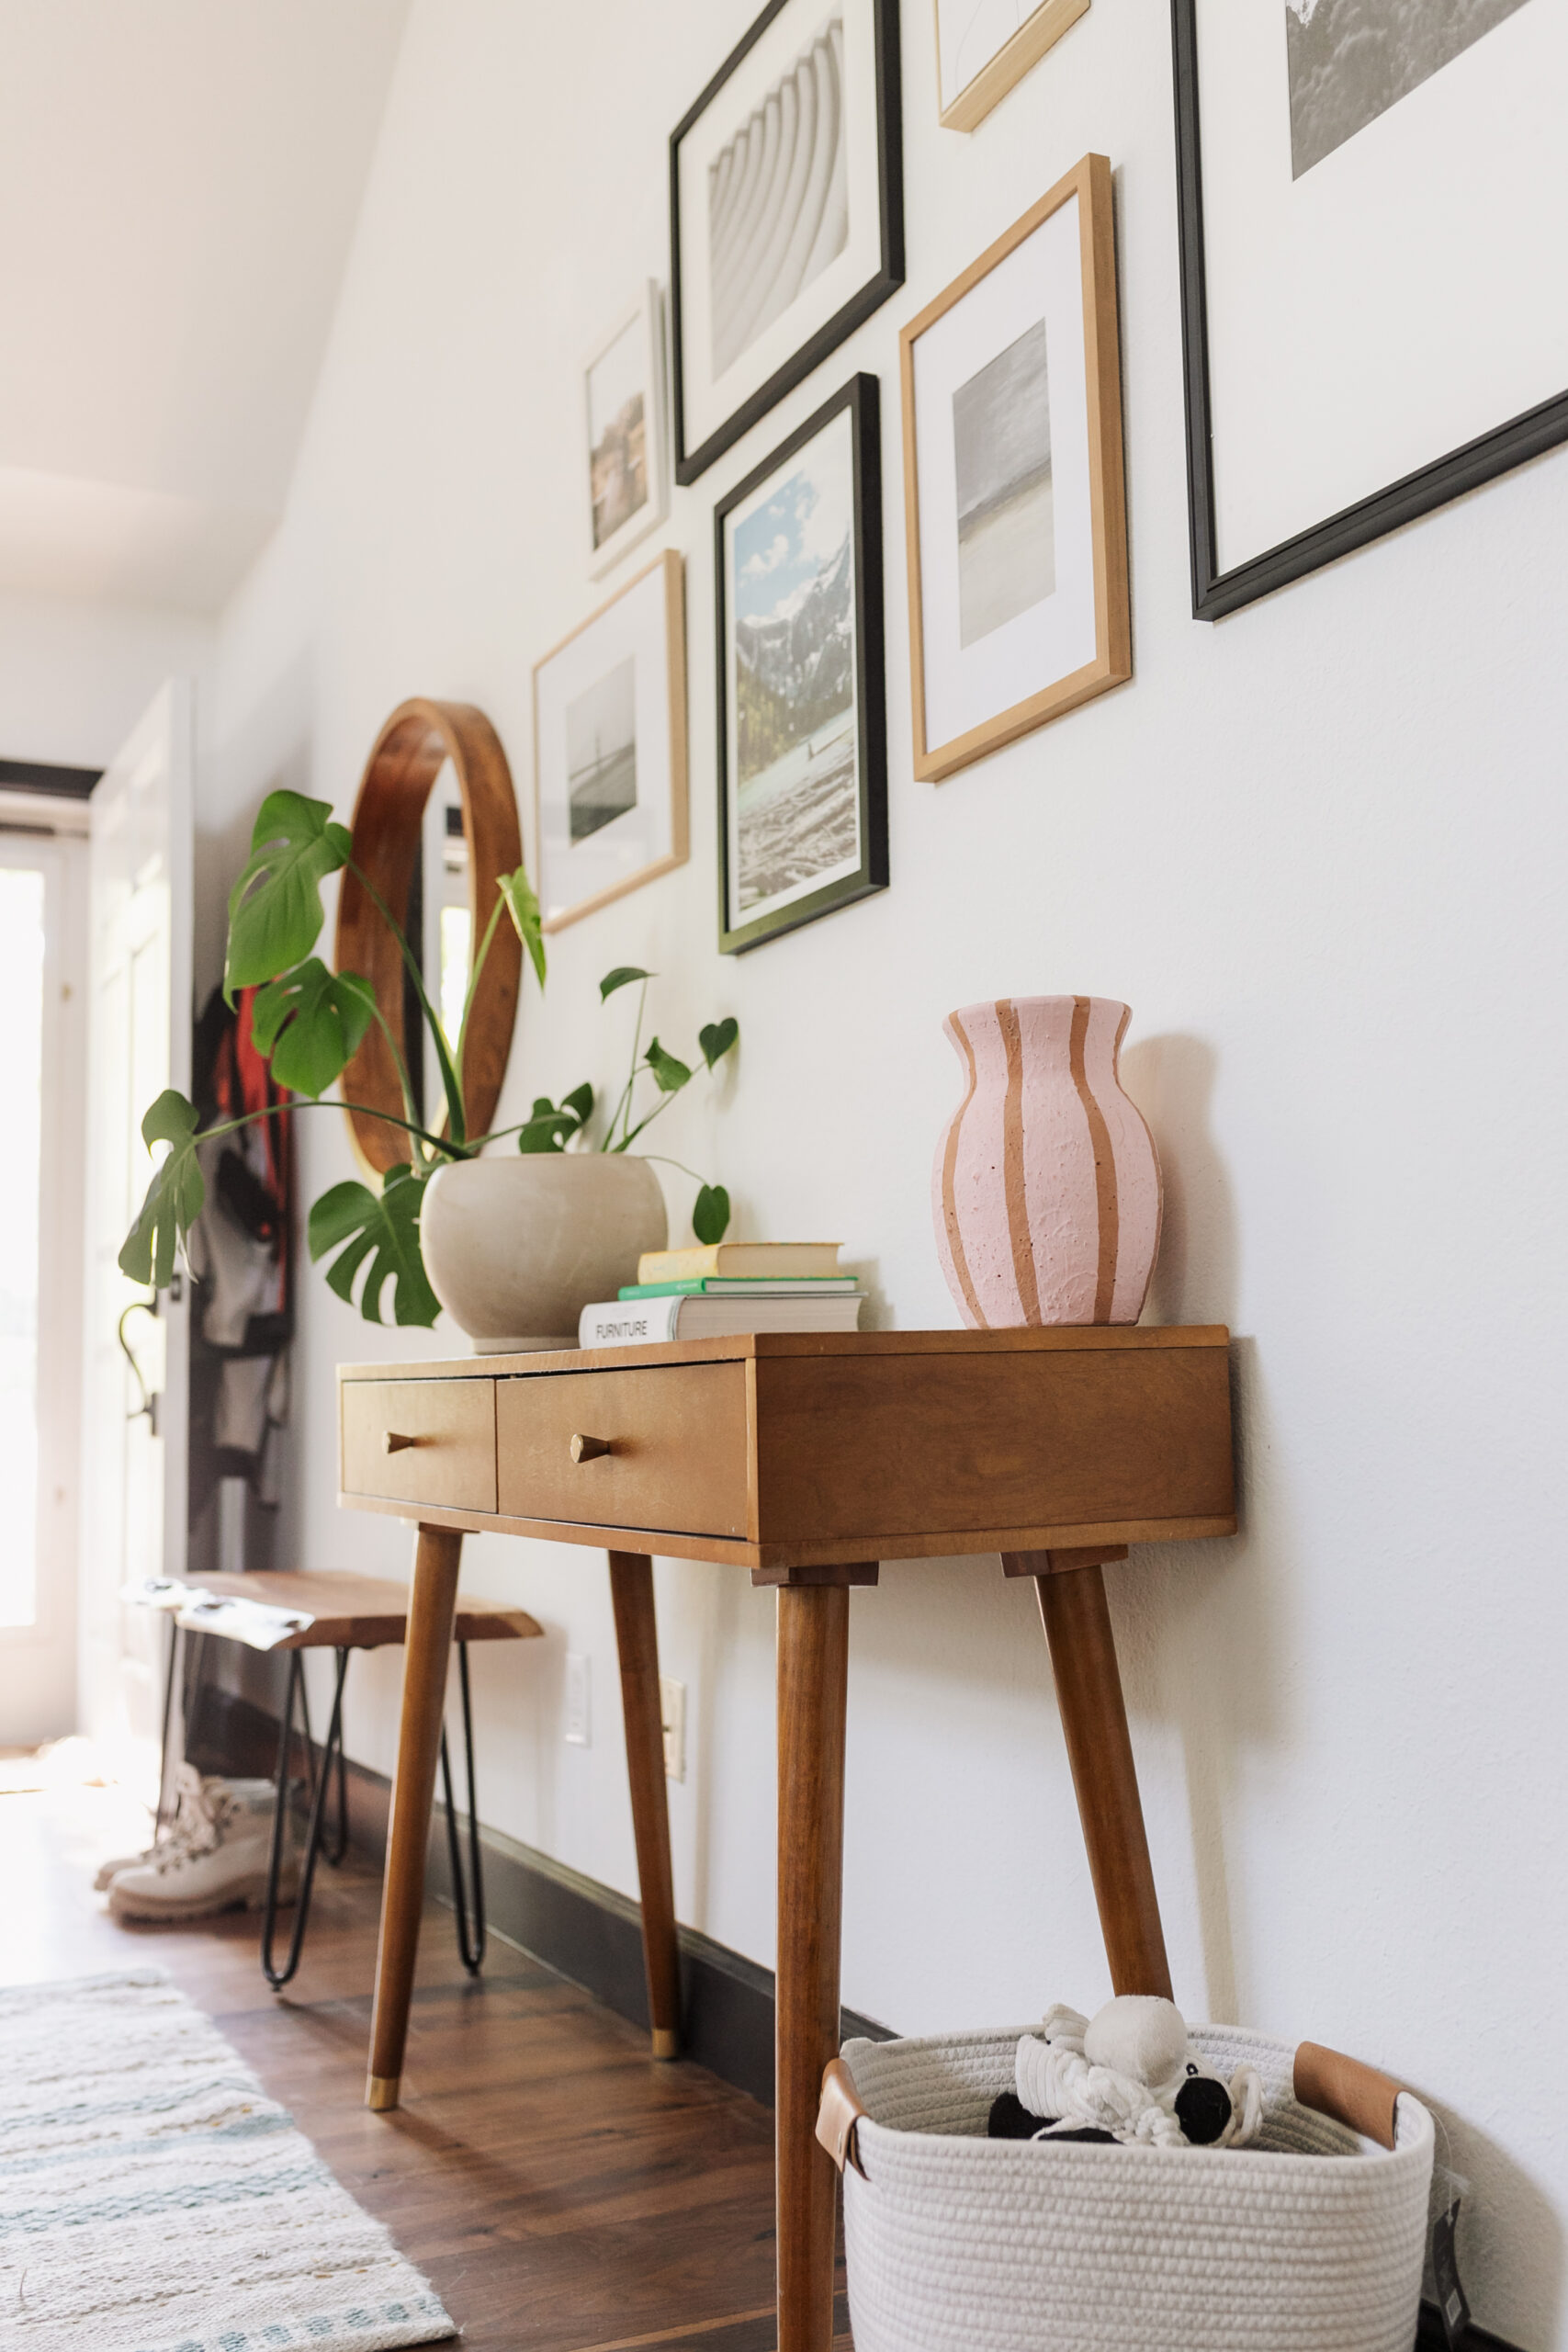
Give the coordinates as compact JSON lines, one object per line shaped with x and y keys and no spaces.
{"x":1013,"y":482}
{"x":610,"y":748}
{"x":786,"y":212}
{"x":1373,"y":212}
{"x":628,"y":468}
{"x":983,"y":47}
{"x":802,"y":718}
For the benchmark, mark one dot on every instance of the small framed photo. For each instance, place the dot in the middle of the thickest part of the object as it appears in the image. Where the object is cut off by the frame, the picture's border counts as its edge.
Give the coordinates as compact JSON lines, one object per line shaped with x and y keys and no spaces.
{"x":983,"y":47}
{"x":610,"y":748}
{"x":1013,"y":482}
{"x":628,"y":473}
{"x":786,"y":212}
{"x":802,"y":720}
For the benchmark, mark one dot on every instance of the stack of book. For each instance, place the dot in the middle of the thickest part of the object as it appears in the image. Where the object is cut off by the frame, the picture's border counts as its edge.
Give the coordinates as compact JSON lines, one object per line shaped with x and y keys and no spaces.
{"x":725,"y":1287}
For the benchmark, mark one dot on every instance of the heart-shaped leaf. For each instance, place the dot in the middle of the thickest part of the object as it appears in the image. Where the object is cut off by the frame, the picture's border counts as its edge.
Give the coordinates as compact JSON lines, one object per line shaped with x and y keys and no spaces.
{"x":383,"y":1231}
{"x":718,"y":1038}
{"x":275,"y":907}
{"x":580,"y":1099}
{"x":310,"y":1023}
{"x":522,"y":906}
{"x":670,"y":1074}
{"x":174,"y":1197}
{"x":711,"y":1215}
{"x":620,"y":977}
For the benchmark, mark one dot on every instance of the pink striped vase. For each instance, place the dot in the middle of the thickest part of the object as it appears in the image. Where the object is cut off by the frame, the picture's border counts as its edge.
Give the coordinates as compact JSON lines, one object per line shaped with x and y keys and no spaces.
{"x":1047,"y":1188}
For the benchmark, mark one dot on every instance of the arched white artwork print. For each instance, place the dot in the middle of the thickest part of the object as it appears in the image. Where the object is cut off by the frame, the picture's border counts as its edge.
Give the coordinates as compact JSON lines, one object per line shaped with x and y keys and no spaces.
{"x":786,"y":212}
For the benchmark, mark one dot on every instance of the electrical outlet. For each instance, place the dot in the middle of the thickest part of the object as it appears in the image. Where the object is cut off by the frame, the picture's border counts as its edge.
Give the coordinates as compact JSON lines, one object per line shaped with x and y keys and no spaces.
{"x":672,"y":1707}
{"x":577,"y":1719}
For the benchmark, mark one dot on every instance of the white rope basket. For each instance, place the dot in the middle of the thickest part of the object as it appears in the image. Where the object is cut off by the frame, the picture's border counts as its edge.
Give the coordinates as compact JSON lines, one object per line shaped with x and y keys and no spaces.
{"x":1310,"y":2240}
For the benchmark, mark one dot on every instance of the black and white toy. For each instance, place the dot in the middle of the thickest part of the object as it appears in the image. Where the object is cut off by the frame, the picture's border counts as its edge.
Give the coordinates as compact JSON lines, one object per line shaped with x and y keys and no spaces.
{"x":1129,"y":2074}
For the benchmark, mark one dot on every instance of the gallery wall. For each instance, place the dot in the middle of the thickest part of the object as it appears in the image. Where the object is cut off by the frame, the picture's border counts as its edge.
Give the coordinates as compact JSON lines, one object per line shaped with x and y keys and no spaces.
{"x":1313,"y":847}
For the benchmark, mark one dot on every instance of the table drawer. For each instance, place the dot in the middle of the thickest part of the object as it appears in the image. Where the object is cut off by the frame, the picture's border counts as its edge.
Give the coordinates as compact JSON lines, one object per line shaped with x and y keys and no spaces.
{"x":677,"y":1440}
{"x":429,"y":1441}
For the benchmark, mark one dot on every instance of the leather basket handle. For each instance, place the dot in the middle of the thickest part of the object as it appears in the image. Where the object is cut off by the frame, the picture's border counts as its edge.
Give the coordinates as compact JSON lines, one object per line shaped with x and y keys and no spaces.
{"x":838,"y":2114}
{"x":1354,"y":2094}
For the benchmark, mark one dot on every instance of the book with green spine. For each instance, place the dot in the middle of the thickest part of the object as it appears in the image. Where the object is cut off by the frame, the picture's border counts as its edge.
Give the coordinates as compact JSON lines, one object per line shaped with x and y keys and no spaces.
{"x":742,"y":1287}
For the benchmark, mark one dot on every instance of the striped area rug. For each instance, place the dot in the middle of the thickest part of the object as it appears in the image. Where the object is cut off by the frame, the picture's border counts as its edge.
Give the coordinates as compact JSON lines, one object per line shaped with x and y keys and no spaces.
{"x":152,"y":2198}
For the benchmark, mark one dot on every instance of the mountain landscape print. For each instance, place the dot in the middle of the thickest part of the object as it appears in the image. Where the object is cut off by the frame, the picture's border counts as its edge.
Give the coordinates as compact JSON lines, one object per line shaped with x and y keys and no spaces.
{"x":791,"y":590}
{"x":1351,"y":59}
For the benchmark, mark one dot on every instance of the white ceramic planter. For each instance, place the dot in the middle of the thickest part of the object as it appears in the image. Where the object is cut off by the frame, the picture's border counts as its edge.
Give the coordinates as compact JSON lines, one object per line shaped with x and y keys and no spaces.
{"x":516,"y":1247}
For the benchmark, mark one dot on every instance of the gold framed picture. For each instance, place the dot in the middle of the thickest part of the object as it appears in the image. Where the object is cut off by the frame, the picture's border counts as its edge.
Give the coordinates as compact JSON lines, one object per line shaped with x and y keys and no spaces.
{"x":610,"y":748}
{"x":983,"y":47}
{"x":1013,"y":482}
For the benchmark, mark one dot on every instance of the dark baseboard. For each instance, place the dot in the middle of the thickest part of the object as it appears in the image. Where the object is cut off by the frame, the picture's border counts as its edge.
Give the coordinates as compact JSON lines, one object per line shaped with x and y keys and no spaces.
{"x":593,"y":1936}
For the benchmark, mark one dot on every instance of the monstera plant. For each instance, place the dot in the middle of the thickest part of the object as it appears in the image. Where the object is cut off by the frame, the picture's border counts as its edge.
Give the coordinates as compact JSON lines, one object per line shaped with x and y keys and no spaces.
{"x":310,"y":1022}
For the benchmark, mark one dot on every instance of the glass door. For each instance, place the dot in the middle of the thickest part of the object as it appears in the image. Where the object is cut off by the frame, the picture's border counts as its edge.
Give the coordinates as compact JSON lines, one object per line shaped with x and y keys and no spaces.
{"x":41,"y":1088}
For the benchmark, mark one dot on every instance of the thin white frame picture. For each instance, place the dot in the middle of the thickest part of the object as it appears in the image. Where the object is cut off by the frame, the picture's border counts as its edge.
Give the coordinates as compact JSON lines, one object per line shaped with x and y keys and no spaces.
{"x":984,"y":47}
{"x":626,"y":425}
{"x":610,"y":764}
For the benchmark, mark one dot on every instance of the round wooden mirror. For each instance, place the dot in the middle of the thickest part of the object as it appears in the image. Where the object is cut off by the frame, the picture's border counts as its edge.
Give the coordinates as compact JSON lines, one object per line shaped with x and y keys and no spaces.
{"x":389,"y":835}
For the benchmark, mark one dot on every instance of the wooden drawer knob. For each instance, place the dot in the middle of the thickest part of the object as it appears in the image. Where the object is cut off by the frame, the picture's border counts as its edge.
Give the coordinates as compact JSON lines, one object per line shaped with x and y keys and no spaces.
{"x":588,"y":1449}
{"x":394,"y":1442}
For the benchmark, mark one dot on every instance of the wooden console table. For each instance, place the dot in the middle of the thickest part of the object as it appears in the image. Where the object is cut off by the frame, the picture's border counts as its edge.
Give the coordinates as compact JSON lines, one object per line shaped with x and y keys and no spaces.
{"x":807,"y":1460}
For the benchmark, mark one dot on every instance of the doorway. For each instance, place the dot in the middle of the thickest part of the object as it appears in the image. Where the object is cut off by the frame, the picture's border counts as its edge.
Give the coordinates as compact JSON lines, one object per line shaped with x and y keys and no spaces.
{"x":43,"y":1102}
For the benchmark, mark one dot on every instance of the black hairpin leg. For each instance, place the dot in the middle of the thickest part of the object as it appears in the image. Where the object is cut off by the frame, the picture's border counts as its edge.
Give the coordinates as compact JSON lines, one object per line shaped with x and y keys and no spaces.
{"x":171,"y":1668}
{"x":472,"y":1954}
{"x":339,"y":1847}
{"x":319,"y":1783}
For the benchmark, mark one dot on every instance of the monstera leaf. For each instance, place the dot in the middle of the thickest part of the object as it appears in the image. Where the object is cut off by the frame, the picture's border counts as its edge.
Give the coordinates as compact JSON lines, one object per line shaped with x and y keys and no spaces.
{"x":311,"y":1023}
{"x":552,"y":1125}
{"x":275,"y":907}
{"x":381,"y":1234}
{"x":522,"y":906}
{"x":174,"y":1197}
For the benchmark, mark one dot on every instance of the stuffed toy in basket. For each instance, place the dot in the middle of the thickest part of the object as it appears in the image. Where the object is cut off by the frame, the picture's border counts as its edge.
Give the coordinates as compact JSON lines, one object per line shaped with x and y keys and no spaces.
{"x":1298,"y":2226}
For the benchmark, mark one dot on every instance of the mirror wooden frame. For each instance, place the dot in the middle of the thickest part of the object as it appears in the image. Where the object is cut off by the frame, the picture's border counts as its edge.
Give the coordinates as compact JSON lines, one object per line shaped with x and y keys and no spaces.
{"x":389,"y":811}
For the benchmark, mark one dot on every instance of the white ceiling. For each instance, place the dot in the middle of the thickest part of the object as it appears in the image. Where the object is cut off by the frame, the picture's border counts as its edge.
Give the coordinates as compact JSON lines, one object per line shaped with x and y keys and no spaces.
{"x":179,"y":181}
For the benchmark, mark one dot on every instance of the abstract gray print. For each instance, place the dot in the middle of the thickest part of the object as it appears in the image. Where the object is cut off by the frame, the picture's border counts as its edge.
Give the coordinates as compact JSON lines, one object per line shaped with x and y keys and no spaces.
{"x":1351,"y":59}
{"x":1001,"y":437}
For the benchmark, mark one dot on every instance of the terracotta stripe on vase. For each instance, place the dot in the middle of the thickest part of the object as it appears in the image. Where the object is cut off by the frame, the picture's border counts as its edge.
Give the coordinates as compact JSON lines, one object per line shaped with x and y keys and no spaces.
{"x":1047,"y":1188}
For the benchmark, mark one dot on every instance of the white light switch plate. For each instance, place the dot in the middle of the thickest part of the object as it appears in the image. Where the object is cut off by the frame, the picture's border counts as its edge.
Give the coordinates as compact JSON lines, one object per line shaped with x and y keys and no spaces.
{"x":577,"y":1719}
{"x":673,"y":1706}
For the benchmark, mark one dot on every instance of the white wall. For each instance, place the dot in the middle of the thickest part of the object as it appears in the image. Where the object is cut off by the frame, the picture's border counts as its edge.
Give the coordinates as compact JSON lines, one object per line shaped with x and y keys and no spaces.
{"x":1314,"y":849}
{"x":77,"y":674}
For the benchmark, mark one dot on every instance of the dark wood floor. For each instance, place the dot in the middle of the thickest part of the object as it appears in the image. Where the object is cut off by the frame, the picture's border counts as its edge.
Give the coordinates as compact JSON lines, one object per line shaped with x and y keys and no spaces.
{"x":561,"y":2192}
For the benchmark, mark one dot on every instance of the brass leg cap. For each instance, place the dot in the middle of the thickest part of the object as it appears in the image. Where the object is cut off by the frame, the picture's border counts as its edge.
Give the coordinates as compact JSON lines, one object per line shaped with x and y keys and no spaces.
{"x":381,"y":2092}
{"x":666,"y":2042}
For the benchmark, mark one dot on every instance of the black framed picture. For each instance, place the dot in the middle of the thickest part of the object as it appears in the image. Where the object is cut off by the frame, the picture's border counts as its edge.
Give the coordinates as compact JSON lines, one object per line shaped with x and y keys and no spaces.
{"x":1373,"y":215}
{"x":786,"y":212}
{"x":802,"y":711}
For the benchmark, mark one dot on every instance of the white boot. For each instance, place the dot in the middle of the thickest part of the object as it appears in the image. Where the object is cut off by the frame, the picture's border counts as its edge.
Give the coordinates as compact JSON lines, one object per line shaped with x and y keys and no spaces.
{"x":217,"y":1863}
{"x":188,"y":1816}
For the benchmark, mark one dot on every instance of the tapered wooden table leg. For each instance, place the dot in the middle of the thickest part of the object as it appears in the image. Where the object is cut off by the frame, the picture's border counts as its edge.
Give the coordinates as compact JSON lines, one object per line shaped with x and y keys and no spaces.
{"x":1076,"y":1617}
{"x":432,"y":1608}
{"x":636,"y":1639}
{"x":813,"y":1641}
